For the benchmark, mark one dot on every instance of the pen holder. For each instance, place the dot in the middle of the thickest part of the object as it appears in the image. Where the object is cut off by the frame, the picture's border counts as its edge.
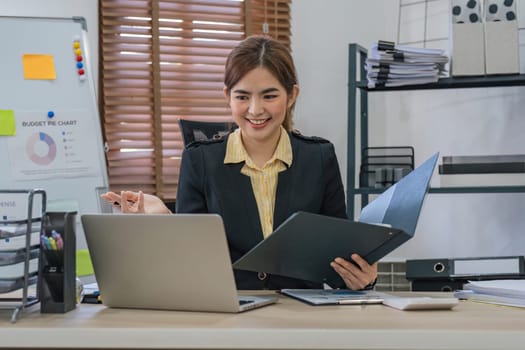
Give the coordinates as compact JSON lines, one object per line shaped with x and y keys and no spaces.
{"x":57,"y":268}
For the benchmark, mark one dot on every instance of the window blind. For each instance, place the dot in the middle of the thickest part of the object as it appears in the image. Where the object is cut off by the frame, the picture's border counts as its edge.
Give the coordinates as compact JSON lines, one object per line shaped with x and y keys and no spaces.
{"x":161,"y":61}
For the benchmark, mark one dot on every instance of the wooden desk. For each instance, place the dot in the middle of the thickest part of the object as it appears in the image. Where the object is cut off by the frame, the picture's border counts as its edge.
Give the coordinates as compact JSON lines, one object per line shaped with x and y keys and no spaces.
{"x":289,"y":324}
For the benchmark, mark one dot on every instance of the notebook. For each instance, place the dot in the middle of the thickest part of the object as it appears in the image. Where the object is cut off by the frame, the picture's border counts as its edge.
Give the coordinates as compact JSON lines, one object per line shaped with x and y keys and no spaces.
{"x":170,"y":262}
{"x":304,"y":245}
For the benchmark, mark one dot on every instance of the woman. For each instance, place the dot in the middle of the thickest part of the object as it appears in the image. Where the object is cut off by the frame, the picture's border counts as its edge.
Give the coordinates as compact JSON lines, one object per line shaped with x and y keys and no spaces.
{"x":263,"y":172}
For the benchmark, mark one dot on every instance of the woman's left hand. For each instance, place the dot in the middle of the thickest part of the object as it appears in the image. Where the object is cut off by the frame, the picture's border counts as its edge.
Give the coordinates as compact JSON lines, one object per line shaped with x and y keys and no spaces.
{"x":358,"y":276}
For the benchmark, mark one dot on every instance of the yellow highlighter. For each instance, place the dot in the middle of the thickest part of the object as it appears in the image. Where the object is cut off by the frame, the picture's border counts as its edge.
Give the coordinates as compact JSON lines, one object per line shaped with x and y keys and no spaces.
{"x":53,"y":243}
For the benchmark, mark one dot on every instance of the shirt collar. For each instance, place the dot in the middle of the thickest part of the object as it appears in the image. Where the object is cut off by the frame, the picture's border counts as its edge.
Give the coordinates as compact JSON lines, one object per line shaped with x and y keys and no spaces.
{"x":236,"y":153}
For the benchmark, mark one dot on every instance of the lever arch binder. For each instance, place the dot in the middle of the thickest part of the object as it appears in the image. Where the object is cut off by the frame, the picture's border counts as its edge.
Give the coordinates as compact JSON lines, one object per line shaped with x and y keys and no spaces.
{"x":510,"y":266}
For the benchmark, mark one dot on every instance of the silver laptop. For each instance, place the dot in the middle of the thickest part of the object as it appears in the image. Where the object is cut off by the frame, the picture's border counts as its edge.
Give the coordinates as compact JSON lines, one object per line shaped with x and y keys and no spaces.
{"x":170,"y":262}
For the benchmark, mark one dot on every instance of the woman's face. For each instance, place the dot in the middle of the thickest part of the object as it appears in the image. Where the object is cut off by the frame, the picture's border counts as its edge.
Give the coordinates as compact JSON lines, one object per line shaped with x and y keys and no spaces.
{"x":259,"y":103}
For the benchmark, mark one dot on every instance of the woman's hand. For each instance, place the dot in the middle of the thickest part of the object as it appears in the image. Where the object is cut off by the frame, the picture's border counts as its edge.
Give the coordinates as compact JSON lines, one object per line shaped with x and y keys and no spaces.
{"x":136,"y":202}
{"x":355,"y":277}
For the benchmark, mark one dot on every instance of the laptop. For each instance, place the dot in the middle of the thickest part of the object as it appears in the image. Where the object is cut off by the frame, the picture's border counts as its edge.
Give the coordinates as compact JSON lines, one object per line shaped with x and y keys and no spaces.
{"x":169,"y":262}
{"x":335,"y":296}
{"x":304,"y":245}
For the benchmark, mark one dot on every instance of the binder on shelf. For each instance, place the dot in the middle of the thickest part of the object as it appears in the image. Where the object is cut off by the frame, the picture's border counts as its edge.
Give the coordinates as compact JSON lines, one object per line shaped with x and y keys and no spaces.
{"x":57,"y":273}
{"x":453,"y":283}
{"x":437,"y":285}
{"x":467,"y":41}
{"x":502,"y":44}
{"x":489,"y":164}
{"x":490,"y":267}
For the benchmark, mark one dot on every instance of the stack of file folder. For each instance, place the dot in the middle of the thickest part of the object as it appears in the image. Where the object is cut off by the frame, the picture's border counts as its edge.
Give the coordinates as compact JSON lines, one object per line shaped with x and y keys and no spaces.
{"x":390,"y":65}
{"x":500,"y":292}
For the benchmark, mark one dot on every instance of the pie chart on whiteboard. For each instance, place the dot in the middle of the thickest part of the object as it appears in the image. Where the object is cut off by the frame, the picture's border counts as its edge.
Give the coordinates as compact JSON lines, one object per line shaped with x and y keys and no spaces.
{"x":41,"y":148}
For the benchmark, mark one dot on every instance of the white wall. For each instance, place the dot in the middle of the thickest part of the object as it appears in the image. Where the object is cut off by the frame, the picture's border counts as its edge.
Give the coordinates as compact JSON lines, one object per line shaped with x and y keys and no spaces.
{"x":454,"y":122}
{"x":321,"y":32}
{"x":61,"y":8}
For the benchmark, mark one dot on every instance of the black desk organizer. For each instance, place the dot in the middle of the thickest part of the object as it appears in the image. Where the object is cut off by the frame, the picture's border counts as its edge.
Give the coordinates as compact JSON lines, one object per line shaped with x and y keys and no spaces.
{"x":57,"y":272}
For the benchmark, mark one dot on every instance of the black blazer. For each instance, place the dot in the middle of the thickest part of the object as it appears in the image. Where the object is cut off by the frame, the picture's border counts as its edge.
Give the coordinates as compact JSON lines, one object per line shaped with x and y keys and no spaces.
{"x":207,"y":185}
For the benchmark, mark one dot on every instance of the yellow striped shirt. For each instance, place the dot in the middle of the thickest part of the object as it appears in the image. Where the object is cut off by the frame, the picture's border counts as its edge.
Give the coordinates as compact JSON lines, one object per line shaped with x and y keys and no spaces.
{"x":264,"y":181}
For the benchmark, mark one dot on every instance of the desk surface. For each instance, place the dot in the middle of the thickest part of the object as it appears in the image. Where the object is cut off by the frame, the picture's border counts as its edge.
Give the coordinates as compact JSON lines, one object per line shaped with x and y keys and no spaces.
{"x":289,"y":324}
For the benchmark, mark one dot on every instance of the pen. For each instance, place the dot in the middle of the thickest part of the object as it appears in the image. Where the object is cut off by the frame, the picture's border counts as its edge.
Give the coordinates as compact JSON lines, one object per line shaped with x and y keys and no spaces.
{"x":52,"y":243}
{"x":58,"y":239}
{"x":44,"y":240}
{"x":60,"y":242}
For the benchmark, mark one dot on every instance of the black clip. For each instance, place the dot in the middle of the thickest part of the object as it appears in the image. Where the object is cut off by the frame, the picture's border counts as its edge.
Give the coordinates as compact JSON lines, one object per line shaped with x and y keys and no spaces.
{"x":384,"y":68}
{"x":382,"y":76}
{"x":399,"y":56}
{"x":383,"y":45}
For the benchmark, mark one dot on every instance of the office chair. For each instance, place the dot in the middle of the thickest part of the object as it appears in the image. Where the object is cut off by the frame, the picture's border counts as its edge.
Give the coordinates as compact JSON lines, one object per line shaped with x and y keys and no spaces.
{"x":193,"y":130}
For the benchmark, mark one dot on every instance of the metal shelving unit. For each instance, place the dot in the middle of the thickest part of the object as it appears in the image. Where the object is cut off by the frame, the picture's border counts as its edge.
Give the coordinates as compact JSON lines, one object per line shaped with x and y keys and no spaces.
{"x":24,"y":253}
{"x":357,"y":82}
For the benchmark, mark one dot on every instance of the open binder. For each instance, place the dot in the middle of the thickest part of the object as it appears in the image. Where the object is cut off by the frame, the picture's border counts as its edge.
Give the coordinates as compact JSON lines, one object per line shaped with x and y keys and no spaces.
{"x":304,"y":245}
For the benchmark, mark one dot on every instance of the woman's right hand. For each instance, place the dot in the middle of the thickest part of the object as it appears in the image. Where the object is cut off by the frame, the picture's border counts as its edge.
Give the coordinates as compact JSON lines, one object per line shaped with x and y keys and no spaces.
{"x":136,"y":202}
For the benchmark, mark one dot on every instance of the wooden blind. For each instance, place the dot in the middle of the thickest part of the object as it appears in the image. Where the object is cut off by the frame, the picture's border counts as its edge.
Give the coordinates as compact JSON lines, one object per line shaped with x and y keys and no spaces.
{"x":161,"y":61}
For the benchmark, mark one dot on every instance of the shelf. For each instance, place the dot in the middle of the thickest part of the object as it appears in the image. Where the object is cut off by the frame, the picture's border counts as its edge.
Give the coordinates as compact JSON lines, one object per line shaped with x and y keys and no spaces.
{"x":456,"y":83}
{"x":357,"y":128}
{"x":20,"y":256}
{"x":455,"y":189}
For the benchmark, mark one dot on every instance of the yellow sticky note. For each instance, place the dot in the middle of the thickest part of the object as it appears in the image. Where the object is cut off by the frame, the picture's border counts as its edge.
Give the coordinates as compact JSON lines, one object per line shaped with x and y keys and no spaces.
{"x":84,"y":265}
{"x":40,"y":67}
{"x":7,"y":123}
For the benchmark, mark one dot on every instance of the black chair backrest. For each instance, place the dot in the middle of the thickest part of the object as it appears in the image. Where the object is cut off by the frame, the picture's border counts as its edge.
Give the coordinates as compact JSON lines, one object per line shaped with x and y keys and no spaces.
{"x":193,"y":130}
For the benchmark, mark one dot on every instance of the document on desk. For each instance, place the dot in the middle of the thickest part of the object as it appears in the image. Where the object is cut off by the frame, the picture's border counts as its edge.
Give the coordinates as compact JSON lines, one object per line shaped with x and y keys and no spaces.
{"x":501,"y":292}
{"x":334,"y":296}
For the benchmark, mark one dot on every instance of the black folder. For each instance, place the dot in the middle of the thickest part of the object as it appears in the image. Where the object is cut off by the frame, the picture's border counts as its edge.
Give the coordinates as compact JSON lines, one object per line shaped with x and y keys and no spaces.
{"x":496,"y":267}
{"x":304,"y":245}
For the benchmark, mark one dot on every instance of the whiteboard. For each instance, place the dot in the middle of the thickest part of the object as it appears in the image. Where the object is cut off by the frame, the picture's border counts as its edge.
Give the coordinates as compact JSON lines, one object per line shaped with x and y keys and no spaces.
{"x":47,"y":92}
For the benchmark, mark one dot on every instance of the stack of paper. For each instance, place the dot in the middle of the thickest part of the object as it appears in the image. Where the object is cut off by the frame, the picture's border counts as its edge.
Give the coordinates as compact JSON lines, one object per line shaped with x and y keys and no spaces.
{"x":390,"y":65}
{"x":502,"y":292}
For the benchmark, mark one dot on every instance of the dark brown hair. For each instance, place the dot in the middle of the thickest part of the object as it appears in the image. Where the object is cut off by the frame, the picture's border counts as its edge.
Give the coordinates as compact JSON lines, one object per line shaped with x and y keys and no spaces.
{"x":262,"y":51}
